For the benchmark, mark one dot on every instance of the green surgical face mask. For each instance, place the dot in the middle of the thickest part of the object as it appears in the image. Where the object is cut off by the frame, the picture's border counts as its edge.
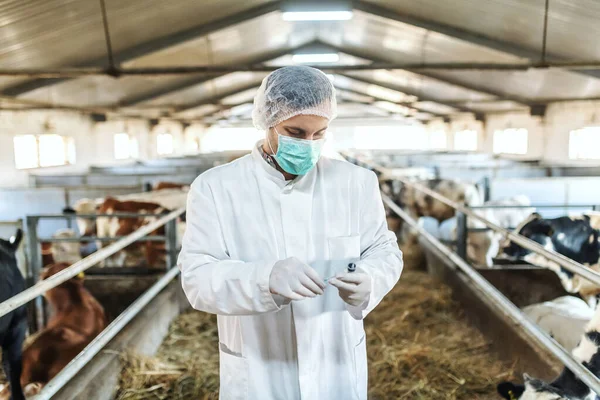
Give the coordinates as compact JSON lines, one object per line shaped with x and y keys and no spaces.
{"x":297,"y":156}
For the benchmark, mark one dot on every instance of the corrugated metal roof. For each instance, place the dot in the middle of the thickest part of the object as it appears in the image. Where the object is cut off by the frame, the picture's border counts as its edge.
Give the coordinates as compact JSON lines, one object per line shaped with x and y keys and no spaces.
{"x":372,"y":90}
{"x":532,"y":84}
{"x":40,"y":33}
{"x":421,"y":85}
{"x":496,"y":106}
{"x":401,"y":42}
{"x":570,"y":22}
{"x":37,"y":34}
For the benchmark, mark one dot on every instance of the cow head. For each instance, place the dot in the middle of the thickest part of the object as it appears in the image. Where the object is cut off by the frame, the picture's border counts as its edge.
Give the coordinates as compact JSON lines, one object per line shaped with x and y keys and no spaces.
{"x":65,"y":252}
{"x":533,"y":389}
{"x":86,"y":226}
{"x":535,"y":228}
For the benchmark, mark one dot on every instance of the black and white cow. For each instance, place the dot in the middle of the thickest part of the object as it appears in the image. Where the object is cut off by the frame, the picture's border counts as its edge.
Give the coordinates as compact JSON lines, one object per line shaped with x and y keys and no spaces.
{"x":14,"y":324}
{"x":574,"y":237}
{"x":566,"y":386}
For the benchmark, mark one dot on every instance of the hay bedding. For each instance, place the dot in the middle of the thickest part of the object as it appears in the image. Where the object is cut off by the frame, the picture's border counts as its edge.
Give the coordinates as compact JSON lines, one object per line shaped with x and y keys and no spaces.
{"x":419,"y":347}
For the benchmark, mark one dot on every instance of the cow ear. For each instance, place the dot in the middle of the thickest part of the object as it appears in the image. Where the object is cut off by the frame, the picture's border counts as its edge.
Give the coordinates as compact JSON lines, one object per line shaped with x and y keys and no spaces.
{"x":15,"y":241}
{"x":510,"y":391}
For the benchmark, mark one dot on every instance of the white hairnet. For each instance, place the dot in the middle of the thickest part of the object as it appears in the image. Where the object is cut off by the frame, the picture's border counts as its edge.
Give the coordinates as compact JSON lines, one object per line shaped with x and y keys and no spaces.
{"x":291,"y":91}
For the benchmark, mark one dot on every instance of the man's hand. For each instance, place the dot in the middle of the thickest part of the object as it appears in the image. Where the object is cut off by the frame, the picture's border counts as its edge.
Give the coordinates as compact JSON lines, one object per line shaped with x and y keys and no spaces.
{"x":354,"y":287}
{"x":294,"y":280}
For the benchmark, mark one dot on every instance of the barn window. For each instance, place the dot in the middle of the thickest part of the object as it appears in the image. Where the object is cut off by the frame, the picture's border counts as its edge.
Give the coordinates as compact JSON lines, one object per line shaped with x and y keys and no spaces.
{"x":438,"y":140}
{"x":164,"y":144}
{"x":465,"y":140}
{"x":510,"y":141}
{"x":125,"y":146}
{"x":401,"y":137}
{"x":584,"y":143}
{"x":51,"y":150}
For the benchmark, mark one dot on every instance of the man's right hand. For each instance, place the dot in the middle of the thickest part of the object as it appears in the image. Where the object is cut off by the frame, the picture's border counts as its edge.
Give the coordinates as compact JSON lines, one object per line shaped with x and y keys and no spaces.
{"x":294,"y":280}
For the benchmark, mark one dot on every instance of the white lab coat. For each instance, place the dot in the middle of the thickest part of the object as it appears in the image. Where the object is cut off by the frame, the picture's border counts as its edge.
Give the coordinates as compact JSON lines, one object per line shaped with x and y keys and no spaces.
{"x":242,"y":217}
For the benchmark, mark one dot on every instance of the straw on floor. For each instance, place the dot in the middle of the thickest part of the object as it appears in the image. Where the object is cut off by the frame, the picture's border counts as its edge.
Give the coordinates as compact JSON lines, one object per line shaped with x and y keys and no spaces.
{"x":419,"y":347}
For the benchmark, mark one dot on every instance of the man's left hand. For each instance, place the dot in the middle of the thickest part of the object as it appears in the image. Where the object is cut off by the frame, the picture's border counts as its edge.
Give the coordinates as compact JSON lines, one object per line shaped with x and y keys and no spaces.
{"x":354,"y":287}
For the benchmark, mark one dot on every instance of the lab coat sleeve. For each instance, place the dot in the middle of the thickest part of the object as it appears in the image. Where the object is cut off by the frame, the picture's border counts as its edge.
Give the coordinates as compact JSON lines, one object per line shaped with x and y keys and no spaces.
{"x":211,"y":280}
{"x":380,"y":256}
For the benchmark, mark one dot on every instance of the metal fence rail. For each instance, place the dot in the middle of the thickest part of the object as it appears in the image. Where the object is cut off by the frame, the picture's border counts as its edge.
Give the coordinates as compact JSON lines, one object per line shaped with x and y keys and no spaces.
{"x":96,"y":345}
{"x":504,"y":304}
{"x":41,"y":287}
{"x":522,"y":241}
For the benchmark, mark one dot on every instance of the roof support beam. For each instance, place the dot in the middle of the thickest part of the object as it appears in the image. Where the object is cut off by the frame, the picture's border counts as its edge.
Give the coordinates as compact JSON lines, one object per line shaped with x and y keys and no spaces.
{"x":155,"y":45}
{"x":462,"y":34}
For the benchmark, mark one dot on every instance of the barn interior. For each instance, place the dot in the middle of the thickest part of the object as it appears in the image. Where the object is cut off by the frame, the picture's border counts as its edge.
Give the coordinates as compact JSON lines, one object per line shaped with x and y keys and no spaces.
{"x":480,"y":118}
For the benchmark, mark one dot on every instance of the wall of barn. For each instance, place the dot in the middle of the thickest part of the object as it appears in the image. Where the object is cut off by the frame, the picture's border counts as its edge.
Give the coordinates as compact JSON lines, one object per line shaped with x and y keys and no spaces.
{"x":14,"y":123}
{"x":561,"y":119}
{"x":536,"y":138}
{"x":94,"y":142}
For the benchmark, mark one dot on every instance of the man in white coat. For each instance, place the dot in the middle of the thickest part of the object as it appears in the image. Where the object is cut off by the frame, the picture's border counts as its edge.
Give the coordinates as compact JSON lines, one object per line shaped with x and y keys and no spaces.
{"x":265,"y":233}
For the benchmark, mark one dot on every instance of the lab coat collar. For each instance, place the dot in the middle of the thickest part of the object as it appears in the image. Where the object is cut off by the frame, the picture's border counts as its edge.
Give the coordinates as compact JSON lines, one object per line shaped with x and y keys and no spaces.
{"x":264,"y":166}
{"x":273,"y":174}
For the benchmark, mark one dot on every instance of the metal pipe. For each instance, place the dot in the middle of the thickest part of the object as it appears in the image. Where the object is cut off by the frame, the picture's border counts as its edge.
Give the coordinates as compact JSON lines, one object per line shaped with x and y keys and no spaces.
{"x":94,"y":216}
{"x":99,"y":239}
{"x":81,"y":360}
{"x":504,"y":305}
{"x":534,"y":206}
{"x":223,"y":69}
{"x":80,"y":266}
{"x":461,"y":235}
{"x":522,"y":241}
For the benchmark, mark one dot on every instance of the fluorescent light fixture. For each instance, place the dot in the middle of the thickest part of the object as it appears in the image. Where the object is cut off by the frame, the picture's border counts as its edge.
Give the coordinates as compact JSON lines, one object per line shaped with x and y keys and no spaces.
{"x":317,"y":15}
{"x":315,"y":58}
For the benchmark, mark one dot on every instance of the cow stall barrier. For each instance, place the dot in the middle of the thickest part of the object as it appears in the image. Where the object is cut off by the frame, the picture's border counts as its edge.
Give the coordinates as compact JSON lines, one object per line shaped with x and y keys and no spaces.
{"x":34,"y":265}
{"x":505,"y":306}
{"x":117,"y":325}
{"x":522,"y":241}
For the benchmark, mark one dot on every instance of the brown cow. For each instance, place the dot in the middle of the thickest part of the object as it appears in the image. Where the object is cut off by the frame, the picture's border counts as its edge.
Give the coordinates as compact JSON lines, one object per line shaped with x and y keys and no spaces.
{"x":153,"y":253}
{"x":170,"y":185}
{"x":77,"y":319}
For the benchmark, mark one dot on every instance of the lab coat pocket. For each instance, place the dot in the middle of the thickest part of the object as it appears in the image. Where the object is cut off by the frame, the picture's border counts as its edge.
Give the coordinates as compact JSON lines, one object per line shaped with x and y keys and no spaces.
{"x":233,"y":371}
{"x":360,"y":369}
{"x":344,"y":248}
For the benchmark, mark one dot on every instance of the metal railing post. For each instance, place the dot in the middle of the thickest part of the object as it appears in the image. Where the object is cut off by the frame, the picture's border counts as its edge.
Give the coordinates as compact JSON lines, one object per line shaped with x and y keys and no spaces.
{"x":461,"y":235}
{"x":35,"y":268}
{"x":171,"y":243}
{"x":486,"y":188}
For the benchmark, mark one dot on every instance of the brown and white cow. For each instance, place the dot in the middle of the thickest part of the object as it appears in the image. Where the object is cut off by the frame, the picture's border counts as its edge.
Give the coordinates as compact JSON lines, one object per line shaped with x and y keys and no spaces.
{"x":150,"y":252}
{"x":76,"y":320}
